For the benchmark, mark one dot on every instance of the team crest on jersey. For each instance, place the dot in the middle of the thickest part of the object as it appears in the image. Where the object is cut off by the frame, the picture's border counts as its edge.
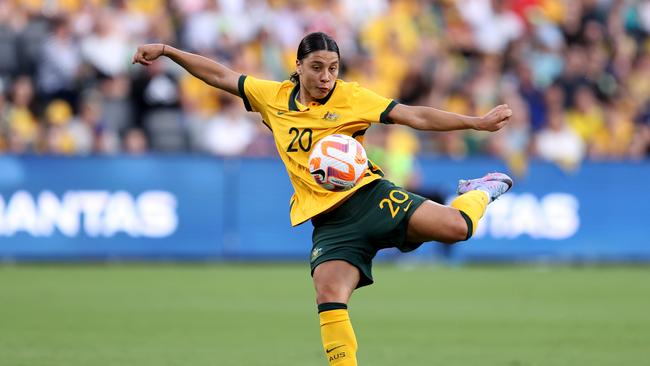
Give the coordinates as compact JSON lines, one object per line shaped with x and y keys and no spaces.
{"x":316,"y":253}
{"x":331,"y":116}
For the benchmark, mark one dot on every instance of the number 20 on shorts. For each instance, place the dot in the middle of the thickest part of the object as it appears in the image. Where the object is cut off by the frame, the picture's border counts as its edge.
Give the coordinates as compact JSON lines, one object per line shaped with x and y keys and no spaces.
{"x":394,"y":201}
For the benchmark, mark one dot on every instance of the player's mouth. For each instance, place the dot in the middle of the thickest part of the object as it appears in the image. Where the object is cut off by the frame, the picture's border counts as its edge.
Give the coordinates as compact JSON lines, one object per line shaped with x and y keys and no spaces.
{"x":324,"y":90}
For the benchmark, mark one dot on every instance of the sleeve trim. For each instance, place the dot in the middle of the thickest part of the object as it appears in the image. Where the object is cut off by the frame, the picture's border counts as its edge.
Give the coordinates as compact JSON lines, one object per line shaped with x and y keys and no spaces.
{"x":242,"y":92}
{"x":383,"y":118}
{"x":359,"y":133}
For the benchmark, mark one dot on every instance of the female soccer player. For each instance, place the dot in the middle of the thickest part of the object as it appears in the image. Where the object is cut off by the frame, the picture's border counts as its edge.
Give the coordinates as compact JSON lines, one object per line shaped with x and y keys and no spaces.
{"x":349,"y":227}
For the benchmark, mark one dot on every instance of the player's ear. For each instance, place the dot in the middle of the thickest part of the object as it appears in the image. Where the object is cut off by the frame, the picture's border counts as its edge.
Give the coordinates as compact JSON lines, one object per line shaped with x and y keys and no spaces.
{"x":298,"y":67}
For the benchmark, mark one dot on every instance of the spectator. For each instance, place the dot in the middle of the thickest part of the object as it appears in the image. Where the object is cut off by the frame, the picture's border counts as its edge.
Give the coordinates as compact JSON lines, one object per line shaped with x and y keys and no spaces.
{"x":59,"y":129}
{"x":22,"y":124}
{"x":59,"y":65}
{"x":90,"y":131}
{"x":12,"y":20}
{"x":494,"y":24}
{"x":135,"y":142}
{"x":614,"y":140}
{"x":559,"y":143}
{"x":157,"y":107}
{"x":106,"y":48}
{"x":230,"y":132}
{"x":532,"y":96}
{"x":586,"y":117}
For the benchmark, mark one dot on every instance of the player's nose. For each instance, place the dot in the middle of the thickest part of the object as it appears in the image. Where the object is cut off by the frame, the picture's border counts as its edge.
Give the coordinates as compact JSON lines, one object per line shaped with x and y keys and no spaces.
{"x":325,"y":77}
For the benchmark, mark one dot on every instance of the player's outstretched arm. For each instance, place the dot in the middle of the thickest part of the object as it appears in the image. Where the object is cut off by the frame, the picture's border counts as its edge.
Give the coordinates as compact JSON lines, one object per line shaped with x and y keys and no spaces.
{"x":431,"y":119}
{"x":211,"y":72}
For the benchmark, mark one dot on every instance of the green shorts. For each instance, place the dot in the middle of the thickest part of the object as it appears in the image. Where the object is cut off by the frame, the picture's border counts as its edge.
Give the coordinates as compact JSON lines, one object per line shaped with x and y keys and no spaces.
{"x":373,"y":218}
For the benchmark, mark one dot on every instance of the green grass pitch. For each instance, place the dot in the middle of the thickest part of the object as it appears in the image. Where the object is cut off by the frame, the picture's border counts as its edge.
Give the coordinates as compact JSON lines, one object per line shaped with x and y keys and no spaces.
{"x":265,"y":315}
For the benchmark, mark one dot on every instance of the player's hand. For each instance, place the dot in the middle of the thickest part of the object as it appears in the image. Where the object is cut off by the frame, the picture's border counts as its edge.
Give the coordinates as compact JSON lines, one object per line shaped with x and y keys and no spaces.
{"x":147,"y":53}
{"x":495,"y":119}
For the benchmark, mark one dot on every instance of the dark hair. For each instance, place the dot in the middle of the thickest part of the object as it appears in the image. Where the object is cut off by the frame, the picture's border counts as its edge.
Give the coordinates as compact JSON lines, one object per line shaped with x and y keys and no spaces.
{"x":317,"y":41}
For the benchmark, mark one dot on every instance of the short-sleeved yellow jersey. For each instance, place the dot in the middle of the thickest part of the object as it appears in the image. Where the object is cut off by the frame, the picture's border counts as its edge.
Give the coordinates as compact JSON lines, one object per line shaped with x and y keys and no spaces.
{"x":348,"y":109}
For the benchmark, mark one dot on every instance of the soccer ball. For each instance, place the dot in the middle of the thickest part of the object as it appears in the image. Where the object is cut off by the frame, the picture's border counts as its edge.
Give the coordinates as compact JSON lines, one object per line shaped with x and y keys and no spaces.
{"x":338,"y":162}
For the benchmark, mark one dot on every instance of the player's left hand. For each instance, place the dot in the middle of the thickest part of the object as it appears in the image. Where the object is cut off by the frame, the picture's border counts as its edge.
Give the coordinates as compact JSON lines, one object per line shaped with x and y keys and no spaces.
{"x":495,"y":119}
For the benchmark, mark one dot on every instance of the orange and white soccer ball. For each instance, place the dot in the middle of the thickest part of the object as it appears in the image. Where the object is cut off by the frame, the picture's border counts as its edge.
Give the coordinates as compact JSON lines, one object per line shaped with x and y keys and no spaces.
{"x":338,"y":162}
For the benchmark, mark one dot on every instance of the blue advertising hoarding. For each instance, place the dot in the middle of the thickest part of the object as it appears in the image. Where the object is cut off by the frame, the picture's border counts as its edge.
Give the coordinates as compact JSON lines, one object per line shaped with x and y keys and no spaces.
{"x":102,"y":208}
{"x":597,"y":212}
{"x":202,"y":208}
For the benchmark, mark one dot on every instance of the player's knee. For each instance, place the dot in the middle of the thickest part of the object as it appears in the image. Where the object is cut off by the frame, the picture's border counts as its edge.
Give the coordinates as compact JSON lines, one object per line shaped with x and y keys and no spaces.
{"x":457,"y":231}
{"x":330,"y":292}
{"x":462,"y":230}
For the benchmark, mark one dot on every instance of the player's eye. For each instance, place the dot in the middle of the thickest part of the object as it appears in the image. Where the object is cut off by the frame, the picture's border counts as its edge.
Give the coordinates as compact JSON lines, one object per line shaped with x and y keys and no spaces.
{"x":316,"y":68}
{"x":333,"y":68}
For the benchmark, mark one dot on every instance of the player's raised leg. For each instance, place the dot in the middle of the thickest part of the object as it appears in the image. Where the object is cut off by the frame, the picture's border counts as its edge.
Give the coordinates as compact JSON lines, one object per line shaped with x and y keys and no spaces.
{"x":334,"y":282}
{"x":457,"y":222}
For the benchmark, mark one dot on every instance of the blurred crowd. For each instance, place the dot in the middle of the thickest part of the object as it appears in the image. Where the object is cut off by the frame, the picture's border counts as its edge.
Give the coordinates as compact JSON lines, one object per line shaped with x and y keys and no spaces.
{"x":575,"y":72}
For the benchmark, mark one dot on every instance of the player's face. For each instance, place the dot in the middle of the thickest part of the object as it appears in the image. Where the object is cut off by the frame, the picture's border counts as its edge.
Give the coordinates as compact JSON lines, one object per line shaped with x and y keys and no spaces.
{"x":318,"y":72}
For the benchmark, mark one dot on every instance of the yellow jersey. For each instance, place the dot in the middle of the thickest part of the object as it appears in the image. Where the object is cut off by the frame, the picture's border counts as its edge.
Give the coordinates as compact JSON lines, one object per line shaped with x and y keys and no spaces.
{"x":349,"y":109}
